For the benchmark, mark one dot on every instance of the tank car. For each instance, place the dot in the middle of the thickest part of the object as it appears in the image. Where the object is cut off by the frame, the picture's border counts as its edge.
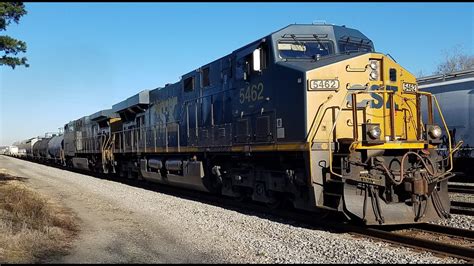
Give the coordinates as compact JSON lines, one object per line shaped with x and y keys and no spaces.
{"x":40,"y":149}
{"x":455,"y":92}
{"x":27,"y":147}
{"x":55,"y":149}
{"x":309,"y":114}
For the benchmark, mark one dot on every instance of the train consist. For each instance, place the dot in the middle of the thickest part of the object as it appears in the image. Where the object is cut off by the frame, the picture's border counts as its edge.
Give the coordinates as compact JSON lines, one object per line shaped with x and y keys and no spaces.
{"x":309,"y":114}
{"x":455,"y":92}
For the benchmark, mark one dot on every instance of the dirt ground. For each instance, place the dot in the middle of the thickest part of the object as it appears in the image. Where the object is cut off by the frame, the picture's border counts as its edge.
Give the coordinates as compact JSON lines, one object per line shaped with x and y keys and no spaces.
{"x":110,"y":233}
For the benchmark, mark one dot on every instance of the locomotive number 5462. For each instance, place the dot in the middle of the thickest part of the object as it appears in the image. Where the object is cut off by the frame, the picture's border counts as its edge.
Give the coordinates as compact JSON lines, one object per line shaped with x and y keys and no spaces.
{"x":252,"y":93}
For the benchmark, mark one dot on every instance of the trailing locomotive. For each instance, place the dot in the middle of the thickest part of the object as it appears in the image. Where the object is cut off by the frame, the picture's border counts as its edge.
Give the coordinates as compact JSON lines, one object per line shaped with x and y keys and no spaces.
{"x":310,"y":114}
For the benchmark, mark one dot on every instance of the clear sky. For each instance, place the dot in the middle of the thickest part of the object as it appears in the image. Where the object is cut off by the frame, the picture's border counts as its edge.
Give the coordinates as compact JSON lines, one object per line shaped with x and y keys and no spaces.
{"x":85,"y":57}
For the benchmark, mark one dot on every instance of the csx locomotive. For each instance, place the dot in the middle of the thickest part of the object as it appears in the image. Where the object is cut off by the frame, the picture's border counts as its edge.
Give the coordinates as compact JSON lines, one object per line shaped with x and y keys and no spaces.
{"x":309,"y":114}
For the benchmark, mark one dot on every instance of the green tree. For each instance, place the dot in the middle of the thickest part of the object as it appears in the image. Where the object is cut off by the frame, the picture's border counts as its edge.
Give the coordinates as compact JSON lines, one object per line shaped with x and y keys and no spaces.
{"x":11,"y":12}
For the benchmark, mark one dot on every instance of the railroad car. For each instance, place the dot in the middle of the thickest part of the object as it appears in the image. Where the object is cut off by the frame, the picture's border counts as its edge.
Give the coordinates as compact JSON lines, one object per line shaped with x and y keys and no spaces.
{"x":455,"y":92}
{"x":27,"y":147}
{"x":40,"y":149}
{"x":309,"y":114}
{"x":56,"y":148}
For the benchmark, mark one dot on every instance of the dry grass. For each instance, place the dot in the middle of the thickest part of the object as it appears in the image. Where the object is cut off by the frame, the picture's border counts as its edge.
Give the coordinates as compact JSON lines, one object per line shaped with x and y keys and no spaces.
{"x":32,"y":229}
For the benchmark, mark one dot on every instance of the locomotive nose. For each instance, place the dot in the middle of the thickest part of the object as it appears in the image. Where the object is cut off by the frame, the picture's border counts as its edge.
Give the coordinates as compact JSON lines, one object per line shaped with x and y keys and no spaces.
{"x":379,"y":153}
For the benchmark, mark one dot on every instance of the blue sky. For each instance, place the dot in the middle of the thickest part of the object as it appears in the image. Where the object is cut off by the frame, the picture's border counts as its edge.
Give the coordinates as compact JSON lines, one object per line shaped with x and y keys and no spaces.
{"x":86,"y":57}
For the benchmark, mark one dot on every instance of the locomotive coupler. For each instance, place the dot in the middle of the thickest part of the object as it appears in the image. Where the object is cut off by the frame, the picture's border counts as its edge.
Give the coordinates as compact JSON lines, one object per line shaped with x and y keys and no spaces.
{"x":416,"y":184}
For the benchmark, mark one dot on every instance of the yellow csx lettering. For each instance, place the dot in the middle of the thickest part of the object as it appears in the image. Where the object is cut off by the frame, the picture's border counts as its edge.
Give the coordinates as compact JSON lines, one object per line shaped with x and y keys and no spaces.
{"x":166,"y":105}
{"x":252,"y":93}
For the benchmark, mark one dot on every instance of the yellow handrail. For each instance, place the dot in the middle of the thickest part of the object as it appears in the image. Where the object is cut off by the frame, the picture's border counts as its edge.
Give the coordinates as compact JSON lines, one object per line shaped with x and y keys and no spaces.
{"x":445,"y":127}
{"x":384,"y":91}
{"x":315,"y":120}
{"x":332,"y":130}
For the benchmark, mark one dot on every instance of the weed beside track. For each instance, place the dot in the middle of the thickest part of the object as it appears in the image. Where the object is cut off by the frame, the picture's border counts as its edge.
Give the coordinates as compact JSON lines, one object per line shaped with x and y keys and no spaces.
{"x":32,"y":228}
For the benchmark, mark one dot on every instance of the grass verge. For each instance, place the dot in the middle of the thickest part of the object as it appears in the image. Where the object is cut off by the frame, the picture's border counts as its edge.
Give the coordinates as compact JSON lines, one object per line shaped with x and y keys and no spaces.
{"x":32,"y":228}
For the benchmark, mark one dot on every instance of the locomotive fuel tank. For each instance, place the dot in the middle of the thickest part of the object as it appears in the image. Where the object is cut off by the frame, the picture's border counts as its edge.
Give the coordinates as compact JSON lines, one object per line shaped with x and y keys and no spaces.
{"x":187,"y":173}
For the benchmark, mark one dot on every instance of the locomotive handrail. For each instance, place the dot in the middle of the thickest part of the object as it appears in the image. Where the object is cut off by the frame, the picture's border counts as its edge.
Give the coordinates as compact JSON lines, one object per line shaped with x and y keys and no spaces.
{"x":355,"y":126}
{"x":445,"y":127}
{"x":391,"y":122}
{"x":313,"y":124}
{"x":332,"y":129}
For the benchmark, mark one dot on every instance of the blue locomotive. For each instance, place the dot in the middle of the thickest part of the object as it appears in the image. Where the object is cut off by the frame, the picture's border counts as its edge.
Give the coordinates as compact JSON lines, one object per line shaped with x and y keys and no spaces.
{"x":309,"y":114}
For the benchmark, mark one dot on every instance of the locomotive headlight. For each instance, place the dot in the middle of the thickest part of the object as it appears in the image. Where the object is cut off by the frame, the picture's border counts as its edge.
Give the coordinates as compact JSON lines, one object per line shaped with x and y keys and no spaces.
{"x":373,"y":65}
{"x":373,"y":75}
{"x":435,"y":132}
{"x":374,"y":132}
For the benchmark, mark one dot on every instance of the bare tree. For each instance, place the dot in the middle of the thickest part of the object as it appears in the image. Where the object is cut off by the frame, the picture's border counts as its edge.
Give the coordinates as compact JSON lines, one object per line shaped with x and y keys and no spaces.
{"x":455,"y":60}
{"x":420,"y":74}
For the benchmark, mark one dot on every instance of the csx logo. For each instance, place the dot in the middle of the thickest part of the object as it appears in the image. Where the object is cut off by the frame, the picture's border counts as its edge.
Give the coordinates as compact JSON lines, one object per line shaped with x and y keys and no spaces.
{"x":377,"y":102}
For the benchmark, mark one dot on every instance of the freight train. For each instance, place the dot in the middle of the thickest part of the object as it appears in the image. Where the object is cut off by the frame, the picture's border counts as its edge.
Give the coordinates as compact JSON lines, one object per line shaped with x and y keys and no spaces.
{"x":309,"y":114}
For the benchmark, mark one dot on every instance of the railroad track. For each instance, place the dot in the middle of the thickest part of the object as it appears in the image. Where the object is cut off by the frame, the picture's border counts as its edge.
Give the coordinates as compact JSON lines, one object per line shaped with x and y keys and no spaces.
{"x":465,"y":189}
{"x":462,"y":207}
{"x":330,"y":222}
{"x":440,"y":238}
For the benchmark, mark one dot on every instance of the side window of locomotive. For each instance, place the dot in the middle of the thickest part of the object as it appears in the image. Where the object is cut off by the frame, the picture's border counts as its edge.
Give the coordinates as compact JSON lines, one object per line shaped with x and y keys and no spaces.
{"x":243,"y":67}
{"x":260,"y":58}
{"x":305,"y":49}
{"x":188,"y":84}
{"x":246,"y":67}
{"x":354,"y":47}
{"x":205,"y":79}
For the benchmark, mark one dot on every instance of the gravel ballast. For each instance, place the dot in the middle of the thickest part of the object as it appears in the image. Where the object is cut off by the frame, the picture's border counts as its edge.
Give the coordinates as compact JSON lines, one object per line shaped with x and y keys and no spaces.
{"x":121,"y":223}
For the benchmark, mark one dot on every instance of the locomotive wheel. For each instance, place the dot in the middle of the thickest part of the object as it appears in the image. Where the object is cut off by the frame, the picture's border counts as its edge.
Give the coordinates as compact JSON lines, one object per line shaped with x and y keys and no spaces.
{"x":241,"y":198}
{"x":105,"y":169}
{"x":274,"y":204}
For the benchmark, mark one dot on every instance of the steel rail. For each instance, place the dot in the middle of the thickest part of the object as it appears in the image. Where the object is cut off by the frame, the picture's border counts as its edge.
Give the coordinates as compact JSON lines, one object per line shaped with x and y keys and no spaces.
{"x":461,"y":252}
{"x":462,"y":207}
{"x":461,"y":189}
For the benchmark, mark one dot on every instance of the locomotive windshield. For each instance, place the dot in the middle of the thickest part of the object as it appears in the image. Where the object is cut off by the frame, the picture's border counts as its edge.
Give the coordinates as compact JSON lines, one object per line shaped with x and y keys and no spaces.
{"x":354,"y":47}
{"x":355,"y":44}
{"x":305,"y":49}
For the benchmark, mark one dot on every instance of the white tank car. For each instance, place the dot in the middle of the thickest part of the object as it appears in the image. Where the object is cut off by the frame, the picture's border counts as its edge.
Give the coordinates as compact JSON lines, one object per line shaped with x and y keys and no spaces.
{"x":26,"y":147}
